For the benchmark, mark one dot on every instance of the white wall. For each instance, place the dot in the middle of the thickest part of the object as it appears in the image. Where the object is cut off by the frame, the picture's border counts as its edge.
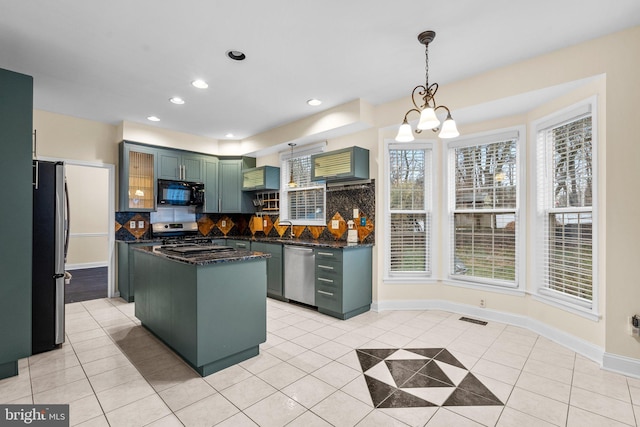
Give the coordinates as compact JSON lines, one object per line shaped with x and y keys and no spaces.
{"x":89,"y":212}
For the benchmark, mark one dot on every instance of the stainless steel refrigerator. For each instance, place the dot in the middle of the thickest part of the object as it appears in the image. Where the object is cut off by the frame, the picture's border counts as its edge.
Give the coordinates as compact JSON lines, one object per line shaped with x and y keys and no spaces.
{"x":50,"y":243}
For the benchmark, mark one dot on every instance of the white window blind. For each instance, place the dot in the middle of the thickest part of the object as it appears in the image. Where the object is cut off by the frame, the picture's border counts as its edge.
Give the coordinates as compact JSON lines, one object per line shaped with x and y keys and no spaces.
{"x":484,"y":190}
{"x":409,"y":211}
{"x":565,"y":198}
{"x":305,"y":203}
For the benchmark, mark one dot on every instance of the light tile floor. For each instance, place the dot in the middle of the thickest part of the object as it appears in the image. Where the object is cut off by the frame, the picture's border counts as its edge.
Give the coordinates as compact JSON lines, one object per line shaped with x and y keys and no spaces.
{"x":113,"y":372}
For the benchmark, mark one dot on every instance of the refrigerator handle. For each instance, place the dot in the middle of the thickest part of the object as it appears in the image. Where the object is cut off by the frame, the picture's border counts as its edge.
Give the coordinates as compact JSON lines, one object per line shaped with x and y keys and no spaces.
{"x":67,"y":219}
{"x":36,"y":179}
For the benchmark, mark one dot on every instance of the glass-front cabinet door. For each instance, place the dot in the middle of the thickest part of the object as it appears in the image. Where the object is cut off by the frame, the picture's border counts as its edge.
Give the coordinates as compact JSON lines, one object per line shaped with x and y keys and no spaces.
{"x":138,"y":178}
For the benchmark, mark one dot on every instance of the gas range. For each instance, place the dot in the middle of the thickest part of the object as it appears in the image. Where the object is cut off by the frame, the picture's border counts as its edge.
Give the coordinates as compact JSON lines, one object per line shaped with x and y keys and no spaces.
{"x":172,"y":233}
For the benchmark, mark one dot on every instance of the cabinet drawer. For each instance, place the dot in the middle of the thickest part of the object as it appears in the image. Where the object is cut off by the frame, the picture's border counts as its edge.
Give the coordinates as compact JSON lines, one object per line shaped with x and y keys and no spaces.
{"x":328,"y":255}
{"x":328,"y":299}
{"x":328,"y":267}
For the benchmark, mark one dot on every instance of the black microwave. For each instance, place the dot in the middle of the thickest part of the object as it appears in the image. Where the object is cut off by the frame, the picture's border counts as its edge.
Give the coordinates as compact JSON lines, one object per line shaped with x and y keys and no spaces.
{"x":180,"y":193}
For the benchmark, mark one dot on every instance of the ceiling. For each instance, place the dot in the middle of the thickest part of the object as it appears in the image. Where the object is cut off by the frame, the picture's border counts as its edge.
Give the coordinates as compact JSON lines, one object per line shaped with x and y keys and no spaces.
{"x":121,"y":60}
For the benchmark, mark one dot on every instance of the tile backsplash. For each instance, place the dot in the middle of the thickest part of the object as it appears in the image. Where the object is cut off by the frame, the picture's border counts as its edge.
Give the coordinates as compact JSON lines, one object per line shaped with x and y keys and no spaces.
{"x":341,"y":202}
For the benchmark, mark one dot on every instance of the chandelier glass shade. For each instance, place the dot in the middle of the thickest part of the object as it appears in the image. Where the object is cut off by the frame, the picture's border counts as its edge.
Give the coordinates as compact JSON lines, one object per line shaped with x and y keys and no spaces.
{"x":424,"y":102}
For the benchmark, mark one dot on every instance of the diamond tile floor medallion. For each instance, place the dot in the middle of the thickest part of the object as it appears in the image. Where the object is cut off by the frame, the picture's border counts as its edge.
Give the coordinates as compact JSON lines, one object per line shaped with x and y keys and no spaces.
{"x":421,"y":377}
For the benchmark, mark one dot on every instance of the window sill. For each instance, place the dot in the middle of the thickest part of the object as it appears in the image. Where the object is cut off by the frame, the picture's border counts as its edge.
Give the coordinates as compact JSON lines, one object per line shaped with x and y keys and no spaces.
{"x":416,"y":280}
{"x":485,"y":287}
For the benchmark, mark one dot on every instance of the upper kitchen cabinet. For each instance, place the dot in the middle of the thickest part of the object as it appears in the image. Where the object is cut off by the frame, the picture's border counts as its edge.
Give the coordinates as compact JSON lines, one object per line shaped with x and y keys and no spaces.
{"x":180,"y":166}
{"x":137,"y":177}
{"x":16,"y":127}
{"x":232,"y":199}
{"x":340,"y":165}
{"x":211,"y":194}
{"x":261,"y":178}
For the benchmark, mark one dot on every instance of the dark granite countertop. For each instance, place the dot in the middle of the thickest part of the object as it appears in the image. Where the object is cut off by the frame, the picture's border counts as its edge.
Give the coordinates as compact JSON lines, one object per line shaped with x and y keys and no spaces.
{"x":282,"y":240}
{"x":157,"y":240}
{"x":205,"y":258}
{"x":300,"y":242}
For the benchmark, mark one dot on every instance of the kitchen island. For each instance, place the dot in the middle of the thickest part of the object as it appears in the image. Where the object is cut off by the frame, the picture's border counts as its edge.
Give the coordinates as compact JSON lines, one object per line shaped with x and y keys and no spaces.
{"x":208,"y":306}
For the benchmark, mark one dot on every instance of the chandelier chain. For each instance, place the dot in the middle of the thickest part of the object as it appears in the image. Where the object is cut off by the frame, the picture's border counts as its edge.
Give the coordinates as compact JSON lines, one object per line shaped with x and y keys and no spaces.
{"x":426,"y":66}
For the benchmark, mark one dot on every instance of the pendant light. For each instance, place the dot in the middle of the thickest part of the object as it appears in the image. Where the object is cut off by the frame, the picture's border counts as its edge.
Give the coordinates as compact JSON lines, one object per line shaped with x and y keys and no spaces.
{"x":292,"y":183}
{"x":423,"y":98}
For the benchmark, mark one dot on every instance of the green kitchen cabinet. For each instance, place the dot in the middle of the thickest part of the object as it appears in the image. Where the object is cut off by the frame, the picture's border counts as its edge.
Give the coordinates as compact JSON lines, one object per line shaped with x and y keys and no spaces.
{"x":138,"y":170}
{"x":243,"y":245}
{"x":343,"y":281}
{"x":126,"y":280}
{"x":212,"y":315}
{"x":274,"y":267}
{"x":181,"y":165}
{"x":232,"y":199}
{"x":16,"y":128}
{"x":340,"y":165}
{"x":211,"y":192}
{"x":261,"y":178}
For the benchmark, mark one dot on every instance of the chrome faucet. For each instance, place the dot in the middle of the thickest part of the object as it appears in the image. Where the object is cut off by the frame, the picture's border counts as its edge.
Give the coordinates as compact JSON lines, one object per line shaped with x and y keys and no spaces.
{"x":290,"y":224}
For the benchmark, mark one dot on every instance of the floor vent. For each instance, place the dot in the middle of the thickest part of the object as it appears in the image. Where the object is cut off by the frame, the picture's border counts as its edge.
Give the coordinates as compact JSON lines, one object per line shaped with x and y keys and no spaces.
{"x":477,"y":322}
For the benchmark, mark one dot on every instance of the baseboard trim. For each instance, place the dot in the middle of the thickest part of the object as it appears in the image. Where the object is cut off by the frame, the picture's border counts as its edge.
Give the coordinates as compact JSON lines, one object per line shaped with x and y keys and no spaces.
{"x":69,"y":267}
{"x":620,"y":364}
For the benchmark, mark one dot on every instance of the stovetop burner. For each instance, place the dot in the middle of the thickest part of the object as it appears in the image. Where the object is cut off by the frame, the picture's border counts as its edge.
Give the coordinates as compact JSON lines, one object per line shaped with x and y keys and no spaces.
{"x":176,"y":240}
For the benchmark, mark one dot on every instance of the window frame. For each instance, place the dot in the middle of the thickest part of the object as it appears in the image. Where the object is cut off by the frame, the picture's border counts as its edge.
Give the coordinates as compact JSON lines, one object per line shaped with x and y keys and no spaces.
{"x":540,"y":210}
{"x":429,"y":276}
{"x":285,"y":156}
{"x":484,"y":138}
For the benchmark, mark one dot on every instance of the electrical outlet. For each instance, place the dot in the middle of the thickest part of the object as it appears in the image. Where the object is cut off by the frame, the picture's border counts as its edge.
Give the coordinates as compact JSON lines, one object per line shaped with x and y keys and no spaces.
{"x":483,"y":303}
{"x":224,"y":223}
{"x":356,"y":213}
{"x":264,"y":222}
{"x":140,"y":224}
{"x":132,"y":224}
{"x":335,"y":224}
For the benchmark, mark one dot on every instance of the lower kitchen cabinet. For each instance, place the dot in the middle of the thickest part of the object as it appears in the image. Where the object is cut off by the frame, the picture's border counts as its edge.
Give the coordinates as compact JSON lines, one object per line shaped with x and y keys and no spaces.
{"x":274,"y":267}
{"x":125,"y":268}
{"x":242,"y":245}
{"x":343,"y":281}
{"x":212,"y":315}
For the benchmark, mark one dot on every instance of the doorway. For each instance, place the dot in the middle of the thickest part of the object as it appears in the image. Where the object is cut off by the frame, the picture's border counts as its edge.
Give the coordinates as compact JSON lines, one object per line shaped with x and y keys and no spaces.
{"x":90,"y":257}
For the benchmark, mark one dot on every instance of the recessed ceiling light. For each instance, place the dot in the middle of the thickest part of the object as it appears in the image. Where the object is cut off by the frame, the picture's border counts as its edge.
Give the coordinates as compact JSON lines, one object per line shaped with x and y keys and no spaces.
{"x":177,"y":100}
{"x":229,"y":135}
{"x":200,"y":84}
{"x":153,"y":118}
{"x":236,"y":55}
{"x":314,"y":102}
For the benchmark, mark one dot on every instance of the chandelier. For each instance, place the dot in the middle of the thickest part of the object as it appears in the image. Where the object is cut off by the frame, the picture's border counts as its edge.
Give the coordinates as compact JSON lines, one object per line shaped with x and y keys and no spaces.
{"x":424,"y":101}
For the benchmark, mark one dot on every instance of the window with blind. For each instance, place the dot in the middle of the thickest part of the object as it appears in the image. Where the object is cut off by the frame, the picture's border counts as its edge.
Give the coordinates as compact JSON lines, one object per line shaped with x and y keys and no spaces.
{"x":304,"y":203}
{"x":565,"y":206}
{"x":409,"y":210}
{"x":484,"y":179}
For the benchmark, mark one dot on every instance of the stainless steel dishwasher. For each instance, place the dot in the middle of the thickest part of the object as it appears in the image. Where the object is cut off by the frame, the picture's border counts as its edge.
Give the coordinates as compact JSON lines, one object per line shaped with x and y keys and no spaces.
{"x":299,"y":274}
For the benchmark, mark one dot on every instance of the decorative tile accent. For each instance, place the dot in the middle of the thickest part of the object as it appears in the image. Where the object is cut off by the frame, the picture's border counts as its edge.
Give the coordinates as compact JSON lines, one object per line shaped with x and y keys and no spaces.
{"x":255,"y":224}
{"x":364,"y":231}
{"x":315,"y":230}
{"x":124,"y":232}
{"x":281,"y":229}
{"x":342,"y":226}
{"x":266,"y":229}
{"x":298,"y":230}
{"x":421,"y":377}
{"x":228,"y":225}
{"x":205,"y":225}
{"x":242,"y":223}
